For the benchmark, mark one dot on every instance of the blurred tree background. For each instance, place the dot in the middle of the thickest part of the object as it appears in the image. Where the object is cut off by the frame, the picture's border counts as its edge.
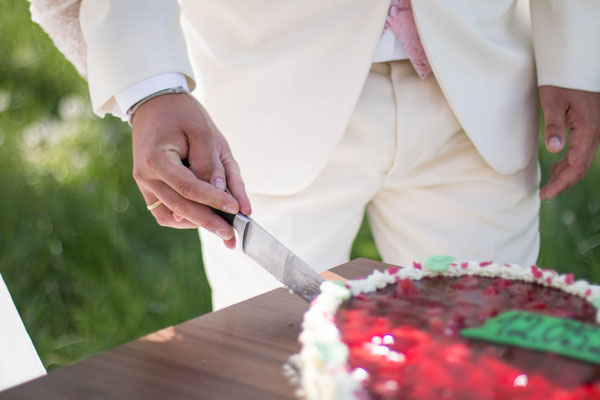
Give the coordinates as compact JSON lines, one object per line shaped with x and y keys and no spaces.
{"x":86,"y":264}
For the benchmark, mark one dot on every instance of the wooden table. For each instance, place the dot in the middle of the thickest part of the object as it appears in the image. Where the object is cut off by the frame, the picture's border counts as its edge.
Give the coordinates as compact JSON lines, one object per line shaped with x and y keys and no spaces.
{"x":234,"y":353}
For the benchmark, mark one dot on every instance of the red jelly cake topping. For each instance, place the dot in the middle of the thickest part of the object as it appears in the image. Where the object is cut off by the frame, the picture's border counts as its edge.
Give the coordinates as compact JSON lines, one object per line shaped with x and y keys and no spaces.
{"x":404,"y":341}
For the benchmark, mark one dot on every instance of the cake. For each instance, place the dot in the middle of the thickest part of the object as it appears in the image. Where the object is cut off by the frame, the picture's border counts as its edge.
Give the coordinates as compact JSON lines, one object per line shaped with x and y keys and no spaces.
{"x":402,"y":334}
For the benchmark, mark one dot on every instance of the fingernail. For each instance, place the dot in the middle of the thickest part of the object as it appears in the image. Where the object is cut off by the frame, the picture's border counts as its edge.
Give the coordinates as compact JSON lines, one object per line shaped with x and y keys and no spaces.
{"x":223,"y":234}
{"x":178,"y":218}
{"x":220,"y":184}
{"x":230,"y":209}
{"x":554,"y":143}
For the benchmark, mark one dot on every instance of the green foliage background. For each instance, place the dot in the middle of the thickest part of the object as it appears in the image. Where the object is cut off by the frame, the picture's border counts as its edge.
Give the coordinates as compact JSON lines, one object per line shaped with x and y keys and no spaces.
{"x":86,"y":265}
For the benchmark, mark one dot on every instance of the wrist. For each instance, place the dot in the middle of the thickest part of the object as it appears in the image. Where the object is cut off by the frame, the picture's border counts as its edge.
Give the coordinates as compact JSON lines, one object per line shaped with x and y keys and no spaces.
{"x":132,"y":110}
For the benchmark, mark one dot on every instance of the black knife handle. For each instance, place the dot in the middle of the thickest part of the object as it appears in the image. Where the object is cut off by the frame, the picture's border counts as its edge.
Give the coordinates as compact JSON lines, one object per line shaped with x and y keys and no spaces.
{"x":226,"y":216}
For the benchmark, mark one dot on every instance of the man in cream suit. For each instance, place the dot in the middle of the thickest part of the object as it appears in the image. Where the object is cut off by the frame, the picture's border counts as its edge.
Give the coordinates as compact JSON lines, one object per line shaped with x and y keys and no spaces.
{"x":445,"y":164}
{"x":327,"y":118}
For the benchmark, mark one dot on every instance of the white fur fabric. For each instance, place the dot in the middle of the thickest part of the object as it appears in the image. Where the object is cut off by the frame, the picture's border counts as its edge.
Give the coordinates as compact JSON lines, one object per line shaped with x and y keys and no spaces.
{"x":60,"y":20}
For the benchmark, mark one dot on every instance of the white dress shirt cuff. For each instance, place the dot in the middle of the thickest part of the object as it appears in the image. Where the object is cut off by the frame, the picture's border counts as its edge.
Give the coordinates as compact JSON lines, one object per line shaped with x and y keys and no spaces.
{"x":136,"y":92}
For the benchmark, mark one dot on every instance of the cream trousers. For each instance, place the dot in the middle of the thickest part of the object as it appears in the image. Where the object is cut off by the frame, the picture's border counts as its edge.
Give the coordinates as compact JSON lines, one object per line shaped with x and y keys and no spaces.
{"x":405,"y":159}
{"x":19,"y":361}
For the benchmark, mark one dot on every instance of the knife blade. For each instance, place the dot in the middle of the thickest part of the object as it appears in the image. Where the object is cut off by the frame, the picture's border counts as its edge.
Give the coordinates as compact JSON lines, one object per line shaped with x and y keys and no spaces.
{"x":274,"y":257}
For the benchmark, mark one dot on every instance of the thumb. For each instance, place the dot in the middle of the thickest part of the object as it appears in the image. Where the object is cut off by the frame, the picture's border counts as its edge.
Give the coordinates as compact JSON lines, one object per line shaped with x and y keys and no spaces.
{"x":555,"y":115}
{"x":554,"y":135}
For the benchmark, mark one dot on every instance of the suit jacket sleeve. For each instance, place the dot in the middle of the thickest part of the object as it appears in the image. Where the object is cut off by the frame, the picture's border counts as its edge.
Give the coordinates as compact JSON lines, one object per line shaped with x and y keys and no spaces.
{"x":129,"y":41}
{"x":566,"y":39}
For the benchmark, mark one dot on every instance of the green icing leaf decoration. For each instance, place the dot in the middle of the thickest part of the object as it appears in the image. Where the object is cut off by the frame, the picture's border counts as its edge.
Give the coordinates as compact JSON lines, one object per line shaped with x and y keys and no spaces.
{"x":439,"y":263}
{"x":337,"y":288}
{"x":332,"y":352}
{"x":596,"y":303}
{"x":339,"y":283}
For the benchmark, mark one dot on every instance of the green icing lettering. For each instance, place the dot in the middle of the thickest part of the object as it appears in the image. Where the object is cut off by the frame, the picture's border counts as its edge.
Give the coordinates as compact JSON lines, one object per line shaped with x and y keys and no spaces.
{"x":438,"y":263}
{"x":541,"y":332}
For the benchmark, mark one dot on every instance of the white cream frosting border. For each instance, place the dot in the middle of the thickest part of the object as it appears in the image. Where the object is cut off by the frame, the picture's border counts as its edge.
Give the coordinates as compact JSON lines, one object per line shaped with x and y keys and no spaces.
{"x":325,"y":373}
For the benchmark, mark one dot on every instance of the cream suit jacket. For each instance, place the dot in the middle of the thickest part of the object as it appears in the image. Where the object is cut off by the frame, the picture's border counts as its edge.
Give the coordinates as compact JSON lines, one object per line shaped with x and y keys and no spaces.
{"x":281,"y":77}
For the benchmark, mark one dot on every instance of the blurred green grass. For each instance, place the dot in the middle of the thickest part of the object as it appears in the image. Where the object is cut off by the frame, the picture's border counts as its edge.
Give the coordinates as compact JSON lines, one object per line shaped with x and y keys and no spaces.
{"x":86,"y":265}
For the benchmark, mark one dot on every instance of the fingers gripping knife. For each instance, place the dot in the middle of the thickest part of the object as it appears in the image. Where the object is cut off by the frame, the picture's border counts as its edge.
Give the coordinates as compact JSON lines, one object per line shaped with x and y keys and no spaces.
{"x":273,"y":256}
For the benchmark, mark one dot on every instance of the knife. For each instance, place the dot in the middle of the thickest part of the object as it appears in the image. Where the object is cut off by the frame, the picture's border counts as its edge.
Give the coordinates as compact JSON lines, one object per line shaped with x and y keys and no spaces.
{"x":274,"y":257}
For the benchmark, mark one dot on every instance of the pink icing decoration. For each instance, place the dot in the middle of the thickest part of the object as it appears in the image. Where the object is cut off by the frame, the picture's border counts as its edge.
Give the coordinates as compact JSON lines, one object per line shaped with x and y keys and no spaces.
{"x":549,"y":280}
{"x":401,"y":21}
{"x":392,"y":270}
{"x":360,"y":395}
{"x":417,"y":265}
{"x":464,"y":265}
{"x":569,"y":279}
{"x":588,"y":292}
{"x":485,"y":263}
{"x":536,"y":272}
